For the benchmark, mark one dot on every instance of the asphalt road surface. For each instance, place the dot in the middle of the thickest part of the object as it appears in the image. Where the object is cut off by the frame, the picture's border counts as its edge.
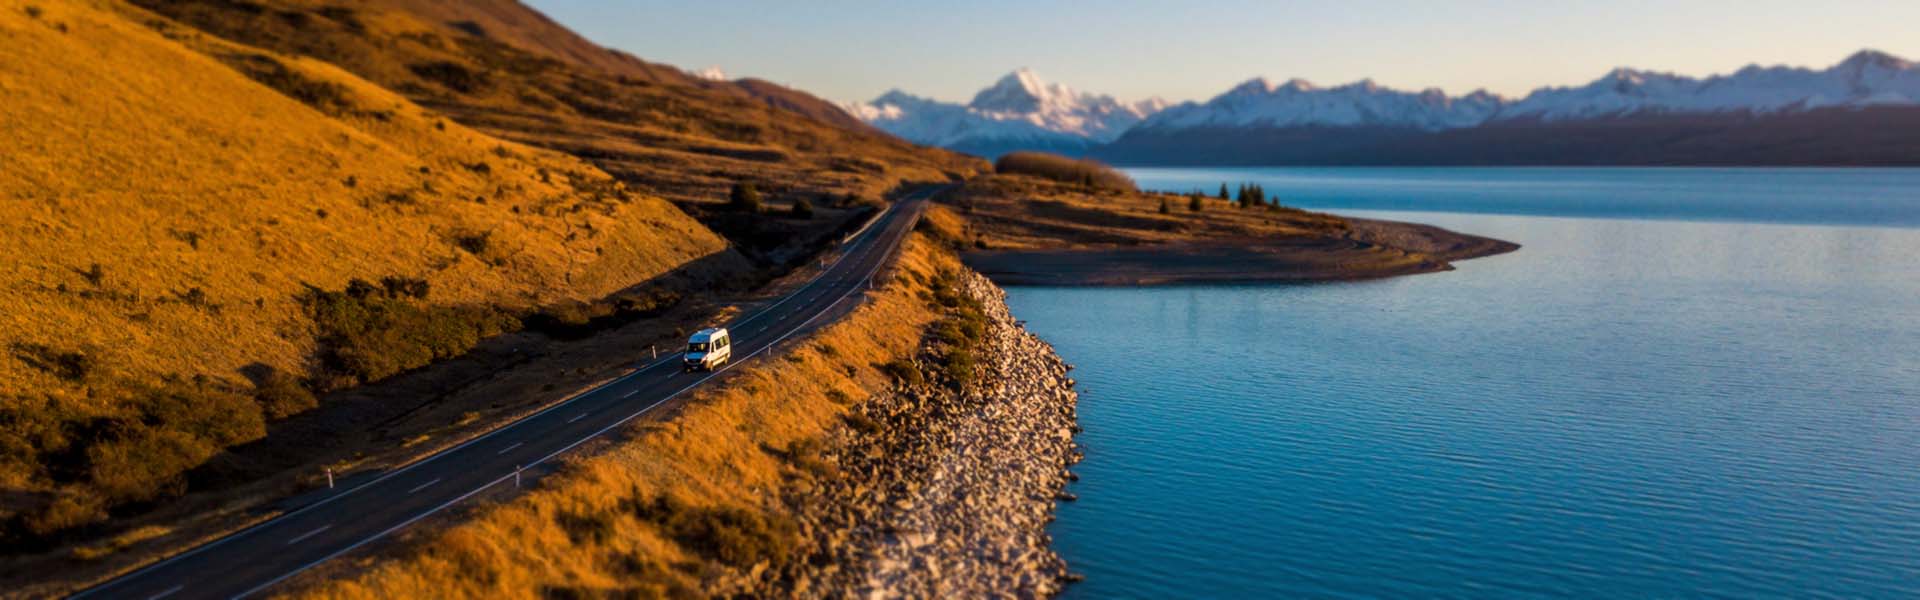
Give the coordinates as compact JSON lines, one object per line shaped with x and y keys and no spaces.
{"x":251,"y":560}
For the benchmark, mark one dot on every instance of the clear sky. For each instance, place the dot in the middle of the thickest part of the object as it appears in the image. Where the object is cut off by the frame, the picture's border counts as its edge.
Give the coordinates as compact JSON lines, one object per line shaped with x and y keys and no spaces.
{"x":847,"y":50}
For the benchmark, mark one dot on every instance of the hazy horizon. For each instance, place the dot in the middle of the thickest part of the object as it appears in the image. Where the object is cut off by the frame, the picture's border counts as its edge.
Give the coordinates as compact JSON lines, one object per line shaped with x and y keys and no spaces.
{"x":1134,"y":50}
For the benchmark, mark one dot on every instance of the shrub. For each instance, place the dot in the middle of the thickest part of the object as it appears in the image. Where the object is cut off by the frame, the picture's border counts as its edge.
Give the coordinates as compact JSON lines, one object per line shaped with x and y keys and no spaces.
{"x":1166,"y":208}
{"x":743,"y":197}
{"x":802,"y":209}
{"x":903,"y":371}
{"x":68,"y":365}
{"x":586,"y":527}
{"x":730,"y":535}
{"x":451,"y":75}
{"x":325,"y":96}
{"x":958,"y":368}
{"x":862,"y":423}
{"x":474,"y":242}
{"x":280,"y":395}
{"x":1089,"y":173}
{"x":1195,"y":204}
{"x":369,"y":333}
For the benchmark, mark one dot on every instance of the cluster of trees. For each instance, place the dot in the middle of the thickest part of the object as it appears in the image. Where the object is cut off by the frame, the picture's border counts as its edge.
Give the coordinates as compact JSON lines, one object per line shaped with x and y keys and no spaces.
{"x":1249,"y":195}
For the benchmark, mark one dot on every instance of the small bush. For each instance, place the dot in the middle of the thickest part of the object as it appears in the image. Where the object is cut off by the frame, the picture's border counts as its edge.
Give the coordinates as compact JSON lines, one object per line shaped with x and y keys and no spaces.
{"x":450,"y":75}
{"x":802,"y":209}
{"x":281,"y":395}
{"x":474,"y":242}
{"x":1166,"y":208}
{"x":744,"y":198}
{"x":903,"y":371}
{"x":586,"y":527}
{"x":1088,"y":173}
{"x":862,"y":423}
{"x":958,"y":368}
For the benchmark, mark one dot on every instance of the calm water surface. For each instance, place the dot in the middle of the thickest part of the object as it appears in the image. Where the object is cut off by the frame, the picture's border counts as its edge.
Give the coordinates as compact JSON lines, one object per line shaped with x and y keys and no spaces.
{"x":1625,"y":408}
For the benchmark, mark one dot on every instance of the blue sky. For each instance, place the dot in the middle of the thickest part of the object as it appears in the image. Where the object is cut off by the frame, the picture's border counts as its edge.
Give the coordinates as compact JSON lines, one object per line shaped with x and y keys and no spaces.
{"x":846,"y":50}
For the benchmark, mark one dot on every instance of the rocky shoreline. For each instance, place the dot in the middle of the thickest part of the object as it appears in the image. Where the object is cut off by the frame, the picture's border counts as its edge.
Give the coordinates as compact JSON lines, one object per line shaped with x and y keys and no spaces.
{"x":941,"y":493}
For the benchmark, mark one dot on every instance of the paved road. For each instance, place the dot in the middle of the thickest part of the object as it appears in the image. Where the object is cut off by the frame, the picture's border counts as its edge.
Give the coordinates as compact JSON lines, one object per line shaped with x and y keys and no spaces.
{"x":251,"y":560}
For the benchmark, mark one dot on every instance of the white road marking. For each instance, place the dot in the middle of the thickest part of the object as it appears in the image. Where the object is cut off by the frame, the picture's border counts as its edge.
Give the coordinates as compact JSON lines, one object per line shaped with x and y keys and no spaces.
{"x":504,"y":450}
{"x":309,"y":534}
{"x":169,"y":592}
{"x":577,"y":417}
{"x":423,"y":486}
{"x":630,"y":394}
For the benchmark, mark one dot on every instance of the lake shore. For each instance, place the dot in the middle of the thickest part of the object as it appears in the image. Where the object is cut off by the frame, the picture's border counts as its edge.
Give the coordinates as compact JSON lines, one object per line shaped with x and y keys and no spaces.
{"x":1371,"y":249}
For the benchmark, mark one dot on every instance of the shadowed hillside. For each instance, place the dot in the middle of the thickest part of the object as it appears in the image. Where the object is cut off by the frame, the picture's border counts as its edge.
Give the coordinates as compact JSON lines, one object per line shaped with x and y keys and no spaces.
{"x":648,"y":125}
{"x":198,"y":233}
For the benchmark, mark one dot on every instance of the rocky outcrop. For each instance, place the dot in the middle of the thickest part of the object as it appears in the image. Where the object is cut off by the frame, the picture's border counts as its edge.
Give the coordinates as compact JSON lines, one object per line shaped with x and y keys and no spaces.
{"x":932,"y":492}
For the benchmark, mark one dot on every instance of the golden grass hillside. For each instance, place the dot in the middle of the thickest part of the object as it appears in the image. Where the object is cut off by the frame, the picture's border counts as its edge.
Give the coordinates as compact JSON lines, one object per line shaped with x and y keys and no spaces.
{"x":179,"y":213}
{"x":681,"y":498}
{"x":651,"y":126}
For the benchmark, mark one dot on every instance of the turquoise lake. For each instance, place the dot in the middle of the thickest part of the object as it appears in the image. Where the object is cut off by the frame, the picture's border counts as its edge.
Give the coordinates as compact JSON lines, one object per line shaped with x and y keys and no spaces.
{"x":1672,"y":390}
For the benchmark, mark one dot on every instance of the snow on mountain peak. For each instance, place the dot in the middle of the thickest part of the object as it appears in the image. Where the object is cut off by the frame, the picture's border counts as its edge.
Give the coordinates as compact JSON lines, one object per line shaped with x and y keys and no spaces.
{"x":1867,"y":78}
{"x":1022,"y":109}
{"x":1020,"y":106}
{"x":1299,"y":103}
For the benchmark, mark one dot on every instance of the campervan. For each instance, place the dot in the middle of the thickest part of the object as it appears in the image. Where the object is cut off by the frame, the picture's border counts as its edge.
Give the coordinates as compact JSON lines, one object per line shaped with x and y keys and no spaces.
{"x":708,"y":349}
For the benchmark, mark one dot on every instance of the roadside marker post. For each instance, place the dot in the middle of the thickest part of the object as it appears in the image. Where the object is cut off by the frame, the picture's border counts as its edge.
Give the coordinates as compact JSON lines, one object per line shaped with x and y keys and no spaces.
{"x":656,"y":350}
{"x":329,"y":477}
{"x":516,"y":477}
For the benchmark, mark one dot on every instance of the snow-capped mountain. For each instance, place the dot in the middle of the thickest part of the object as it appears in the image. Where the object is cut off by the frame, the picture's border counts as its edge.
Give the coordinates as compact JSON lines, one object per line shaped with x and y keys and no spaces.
{"x":1020,"y":111}
{"x":1261,"y":103}
{"x":1868,"y":78}
{"x":1864,"y":110}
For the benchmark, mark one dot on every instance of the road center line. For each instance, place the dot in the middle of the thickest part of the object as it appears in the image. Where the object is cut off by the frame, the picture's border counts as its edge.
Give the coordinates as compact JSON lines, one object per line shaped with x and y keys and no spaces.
{"x":577,"y":417}
{"x":423,"y":486}
{"x":169,"y":592}
{"x":504,"y":450}
{"x":309,"y":534}
{"x":630,"y":394}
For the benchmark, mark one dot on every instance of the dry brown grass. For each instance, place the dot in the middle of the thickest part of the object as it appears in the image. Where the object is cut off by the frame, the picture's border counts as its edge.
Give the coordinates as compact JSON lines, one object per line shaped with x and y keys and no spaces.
{"x":1085,"y":173}
{"x":594,"y":528}
{"x":1023,"y":212}
{"x":649,"y":125}
{"x":168,"y":197}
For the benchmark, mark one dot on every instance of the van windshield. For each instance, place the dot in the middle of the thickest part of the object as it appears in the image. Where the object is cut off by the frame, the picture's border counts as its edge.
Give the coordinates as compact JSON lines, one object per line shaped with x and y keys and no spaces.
{"x":697,"y":347}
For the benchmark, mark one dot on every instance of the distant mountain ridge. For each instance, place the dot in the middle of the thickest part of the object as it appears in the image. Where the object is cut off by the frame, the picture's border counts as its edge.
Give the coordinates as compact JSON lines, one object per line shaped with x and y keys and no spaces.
{"x":1854,"y":112}
{"x":1021,"y":111}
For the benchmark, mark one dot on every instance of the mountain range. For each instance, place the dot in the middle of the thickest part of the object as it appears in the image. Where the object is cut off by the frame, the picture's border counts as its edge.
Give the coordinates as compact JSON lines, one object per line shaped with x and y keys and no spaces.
{"x":1863,"y":110}
{"x":1019,"y":112}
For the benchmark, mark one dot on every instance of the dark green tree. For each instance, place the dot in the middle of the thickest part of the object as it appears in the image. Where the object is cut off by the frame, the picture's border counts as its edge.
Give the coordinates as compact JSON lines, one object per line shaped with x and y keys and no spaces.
{"x":1194,"y":203}
{"x":1223,"y":190}
{"x":1166,"y":208}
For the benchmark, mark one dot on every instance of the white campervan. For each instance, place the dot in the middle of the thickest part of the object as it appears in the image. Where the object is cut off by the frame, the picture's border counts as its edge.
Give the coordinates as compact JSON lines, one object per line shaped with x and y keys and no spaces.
{"x":708,"y":349}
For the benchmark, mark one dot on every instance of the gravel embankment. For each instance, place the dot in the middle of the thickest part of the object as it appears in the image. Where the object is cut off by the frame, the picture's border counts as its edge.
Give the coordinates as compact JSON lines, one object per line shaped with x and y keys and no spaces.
{"x":947,"y":494}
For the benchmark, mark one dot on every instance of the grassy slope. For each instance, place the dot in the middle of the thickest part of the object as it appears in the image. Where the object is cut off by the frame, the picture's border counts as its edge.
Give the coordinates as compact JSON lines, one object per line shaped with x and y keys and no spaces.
{"x":650,"y":125}
{"x":167,"y":197}
{"x":597,"y":528}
